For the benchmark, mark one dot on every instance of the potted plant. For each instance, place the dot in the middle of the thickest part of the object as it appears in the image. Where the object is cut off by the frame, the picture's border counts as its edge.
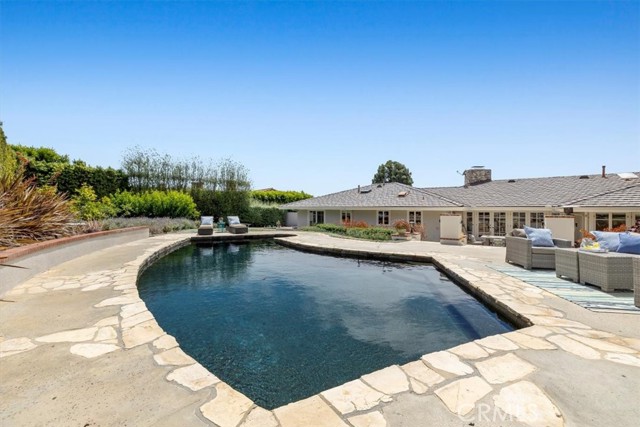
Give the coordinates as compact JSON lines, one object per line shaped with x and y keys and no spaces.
{"x":402,"y":227}
{"x":416,"y":231}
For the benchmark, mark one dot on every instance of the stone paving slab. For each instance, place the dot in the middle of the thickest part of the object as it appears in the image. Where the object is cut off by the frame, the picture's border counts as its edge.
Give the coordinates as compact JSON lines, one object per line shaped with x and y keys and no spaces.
{"x":78,"y":347}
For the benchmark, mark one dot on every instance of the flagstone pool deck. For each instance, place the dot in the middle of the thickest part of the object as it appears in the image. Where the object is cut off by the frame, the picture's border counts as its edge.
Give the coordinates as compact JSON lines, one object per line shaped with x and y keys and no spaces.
{"x":79,"y":348}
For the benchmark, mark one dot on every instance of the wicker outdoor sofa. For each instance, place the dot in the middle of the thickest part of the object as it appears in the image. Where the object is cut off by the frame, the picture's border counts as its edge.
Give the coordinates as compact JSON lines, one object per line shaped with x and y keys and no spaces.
{"x":520,"y":251}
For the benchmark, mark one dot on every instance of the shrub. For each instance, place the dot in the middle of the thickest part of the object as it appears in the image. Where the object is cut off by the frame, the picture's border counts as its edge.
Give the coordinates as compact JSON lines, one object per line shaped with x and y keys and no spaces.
{"x":50,"y":168}
{"x":279,"y":197}
{"x":156,"y":225}
{"x":263,"y":217}
{"x":355,"y":224}
{"x":402,"y":226}
{"x":103,"y":181}
{"x":8,"y":159}
{"x":155,"y":204}
{"x":372,"y":233}
{"x":29,"y":214}
{"x":222,"y":203}
{"x":332,"y":228}
{"x":86,"y":206}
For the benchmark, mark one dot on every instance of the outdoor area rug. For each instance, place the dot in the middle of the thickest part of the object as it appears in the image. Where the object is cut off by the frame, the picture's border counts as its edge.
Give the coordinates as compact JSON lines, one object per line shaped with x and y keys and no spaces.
{"x":586,"y":296}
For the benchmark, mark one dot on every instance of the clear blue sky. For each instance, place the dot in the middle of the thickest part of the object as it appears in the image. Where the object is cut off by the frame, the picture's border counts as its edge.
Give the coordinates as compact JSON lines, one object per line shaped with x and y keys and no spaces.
{"x":314,"y":96}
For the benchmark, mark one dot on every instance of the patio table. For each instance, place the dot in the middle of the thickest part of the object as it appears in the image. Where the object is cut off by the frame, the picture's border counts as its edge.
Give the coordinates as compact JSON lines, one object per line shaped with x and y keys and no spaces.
{"x":608,"y":271}
{"x":491,"y":240}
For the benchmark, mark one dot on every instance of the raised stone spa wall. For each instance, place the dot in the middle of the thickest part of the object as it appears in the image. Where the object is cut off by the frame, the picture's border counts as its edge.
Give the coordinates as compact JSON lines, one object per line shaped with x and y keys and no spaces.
{"x":40,"y":257}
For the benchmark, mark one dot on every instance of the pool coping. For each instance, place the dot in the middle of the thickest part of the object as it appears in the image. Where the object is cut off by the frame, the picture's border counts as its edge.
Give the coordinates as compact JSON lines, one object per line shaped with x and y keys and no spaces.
{"x":373,"y":391}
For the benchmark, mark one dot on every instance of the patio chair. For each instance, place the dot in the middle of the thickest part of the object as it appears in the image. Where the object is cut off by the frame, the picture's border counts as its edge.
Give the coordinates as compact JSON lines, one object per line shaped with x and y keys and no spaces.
{"x":235,"y":227}
{"x":520,"y":251}
{"x":206,"y":226}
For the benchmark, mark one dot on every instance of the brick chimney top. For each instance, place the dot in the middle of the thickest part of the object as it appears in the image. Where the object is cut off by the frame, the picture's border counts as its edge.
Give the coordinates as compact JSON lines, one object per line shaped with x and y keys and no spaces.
{"x":476,"y":175}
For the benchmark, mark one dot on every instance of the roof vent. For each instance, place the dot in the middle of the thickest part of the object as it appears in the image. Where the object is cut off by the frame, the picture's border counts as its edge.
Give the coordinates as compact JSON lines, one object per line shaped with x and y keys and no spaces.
{"x":403,"y":193}
{"x":365,"y":191}
{"x":628,"y":175}
{"x":379,"y":185}
{"x":584,"y":177}
{"x":512,"y":180}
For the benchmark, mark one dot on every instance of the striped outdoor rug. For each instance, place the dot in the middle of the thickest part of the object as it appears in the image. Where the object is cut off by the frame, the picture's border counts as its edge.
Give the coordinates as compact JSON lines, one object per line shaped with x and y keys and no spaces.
{"x":586,"y":296}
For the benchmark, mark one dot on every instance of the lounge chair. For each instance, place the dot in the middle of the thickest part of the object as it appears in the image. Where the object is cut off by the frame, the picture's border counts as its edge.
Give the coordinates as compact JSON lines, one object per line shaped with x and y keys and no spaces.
{"x":235,"y":227}
{"x":206,"y":226}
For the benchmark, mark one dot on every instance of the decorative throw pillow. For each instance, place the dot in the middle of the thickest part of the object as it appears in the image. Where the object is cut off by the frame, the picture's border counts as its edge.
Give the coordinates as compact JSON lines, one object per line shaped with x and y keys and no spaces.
{"x":518,"y":232}
{"x":233,"y":220}
{"x":629,"y":243}
{"x":206,"y":220}
{"x":540,"y":237}
{"x":607,"y":239}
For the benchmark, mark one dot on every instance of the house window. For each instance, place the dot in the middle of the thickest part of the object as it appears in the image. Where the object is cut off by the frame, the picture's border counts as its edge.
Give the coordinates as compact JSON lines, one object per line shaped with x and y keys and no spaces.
{"x":316,"y":217}
{"x":536,"y":219}
{"x":606,"y":221}
{"x":415,"y":217}
{"x":618,"y":219}
{"x":484,"y":223}
{"x":519,"y":219}
{"x":499,"y":223}
{"x":469,"y":222}
{"x":602,"y":221}
{"x":346,"y":216}
{"x":383,"y":217}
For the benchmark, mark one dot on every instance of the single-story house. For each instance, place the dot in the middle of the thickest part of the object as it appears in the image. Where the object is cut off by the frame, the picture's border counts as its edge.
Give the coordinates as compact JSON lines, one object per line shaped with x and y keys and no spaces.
{"x":486,"y":207}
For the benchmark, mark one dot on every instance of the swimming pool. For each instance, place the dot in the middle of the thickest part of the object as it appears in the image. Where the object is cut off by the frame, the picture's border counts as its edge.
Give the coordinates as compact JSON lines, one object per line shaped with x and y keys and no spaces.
{"x":280,"y":325}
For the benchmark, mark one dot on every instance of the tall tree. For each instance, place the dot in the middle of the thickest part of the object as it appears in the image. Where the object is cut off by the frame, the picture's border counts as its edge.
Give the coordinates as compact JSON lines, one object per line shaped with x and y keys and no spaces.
{"x":392,"y":171}
{"x":8,"y":162}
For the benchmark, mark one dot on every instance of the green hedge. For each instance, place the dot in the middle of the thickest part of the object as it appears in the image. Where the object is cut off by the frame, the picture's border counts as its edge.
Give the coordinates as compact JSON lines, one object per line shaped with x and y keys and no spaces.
{"x":155,"y":204}
{"x":279,"y":197}
{"x":103,"y":181}
{"x":263,"y":217}
{"x":86,"y":206}
{"x":333,"y":228}
{"x":373,"y":233}
{"x":221,"y":203}
{"x":51,"y":168}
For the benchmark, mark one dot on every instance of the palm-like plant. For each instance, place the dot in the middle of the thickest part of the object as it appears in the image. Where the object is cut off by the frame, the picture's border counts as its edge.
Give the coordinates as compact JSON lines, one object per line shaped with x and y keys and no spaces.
{"x":29,"y":214}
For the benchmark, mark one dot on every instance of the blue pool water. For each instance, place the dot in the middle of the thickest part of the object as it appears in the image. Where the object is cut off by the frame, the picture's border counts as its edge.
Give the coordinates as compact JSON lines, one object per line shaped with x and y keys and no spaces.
{"x":280,"y":325}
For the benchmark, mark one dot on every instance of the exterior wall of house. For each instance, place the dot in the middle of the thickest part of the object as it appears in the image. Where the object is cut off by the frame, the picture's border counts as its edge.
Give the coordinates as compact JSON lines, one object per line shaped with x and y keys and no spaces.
{"x":397,"y":215}
{"x":332,"y":217}
{"x":370,"y":217}
{"x":303,"y":218}
{"x":291,"y":219}
{"x":431,"y":219}
{"x":431,"y":223}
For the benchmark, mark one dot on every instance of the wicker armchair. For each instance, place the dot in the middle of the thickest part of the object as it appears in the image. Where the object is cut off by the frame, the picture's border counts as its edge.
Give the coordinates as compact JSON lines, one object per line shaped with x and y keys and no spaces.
{"x":521,"y":252}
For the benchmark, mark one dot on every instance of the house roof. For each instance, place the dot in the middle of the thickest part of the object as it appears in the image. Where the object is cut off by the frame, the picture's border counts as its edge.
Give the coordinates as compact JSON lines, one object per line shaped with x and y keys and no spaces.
{"x":577,"y":191}
{"x":550,"y":191}
{"x":625,"y":197}
{"x":387,"y":195}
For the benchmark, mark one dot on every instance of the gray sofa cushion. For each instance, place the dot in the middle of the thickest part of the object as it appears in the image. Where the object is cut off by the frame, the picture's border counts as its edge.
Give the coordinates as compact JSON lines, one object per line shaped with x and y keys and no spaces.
{"x":540,"y":250}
